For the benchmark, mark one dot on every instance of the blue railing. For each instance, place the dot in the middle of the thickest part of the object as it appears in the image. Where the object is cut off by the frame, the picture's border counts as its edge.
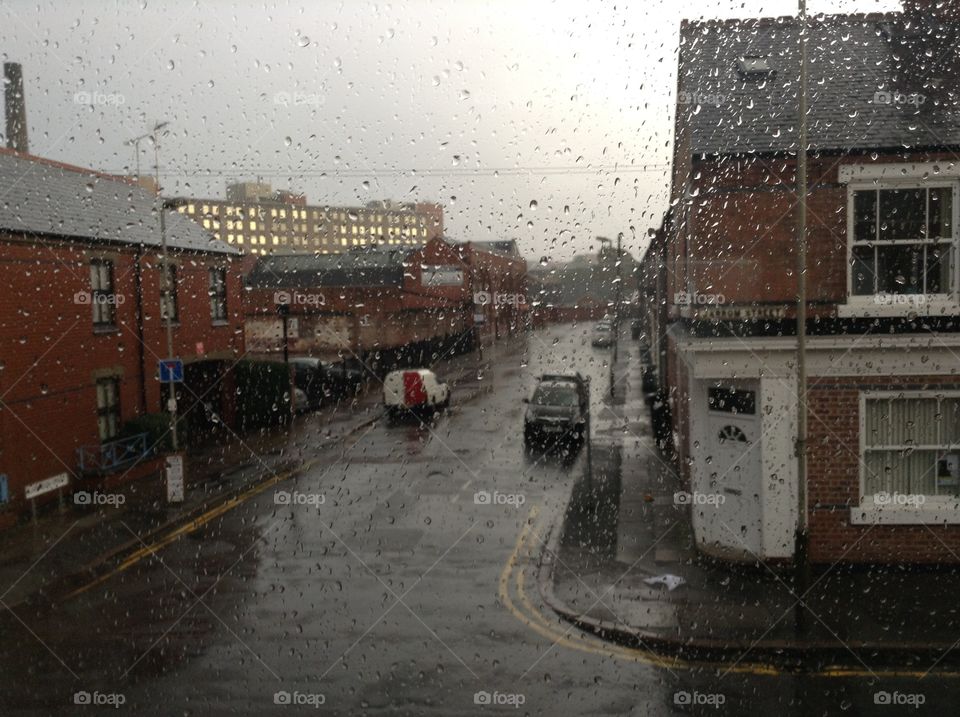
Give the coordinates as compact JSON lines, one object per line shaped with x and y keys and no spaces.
{"x":114,"y":455}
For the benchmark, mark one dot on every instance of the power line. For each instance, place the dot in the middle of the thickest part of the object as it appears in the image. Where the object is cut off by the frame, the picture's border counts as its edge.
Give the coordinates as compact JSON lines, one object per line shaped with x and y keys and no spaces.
{"x":425,"y":172}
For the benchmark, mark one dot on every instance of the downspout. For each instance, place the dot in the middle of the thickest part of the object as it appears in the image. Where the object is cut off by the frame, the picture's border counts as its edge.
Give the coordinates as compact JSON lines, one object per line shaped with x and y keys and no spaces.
{"x":138,"y":290}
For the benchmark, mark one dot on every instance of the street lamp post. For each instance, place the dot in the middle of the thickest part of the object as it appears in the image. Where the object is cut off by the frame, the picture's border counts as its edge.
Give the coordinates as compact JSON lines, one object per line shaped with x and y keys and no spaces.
{"x":801,"y":553}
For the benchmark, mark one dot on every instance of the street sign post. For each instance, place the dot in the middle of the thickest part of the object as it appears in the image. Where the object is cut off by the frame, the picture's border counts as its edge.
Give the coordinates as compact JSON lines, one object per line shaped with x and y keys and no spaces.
{"x":174,"y":475}
{"x":171,"y":370}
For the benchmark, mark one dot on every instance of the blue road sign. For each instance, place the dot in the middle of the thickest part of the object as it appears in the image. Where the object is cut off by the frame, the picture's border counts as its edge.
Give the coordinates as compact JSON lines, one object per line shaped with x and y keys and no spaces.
{"x":171,"y":371}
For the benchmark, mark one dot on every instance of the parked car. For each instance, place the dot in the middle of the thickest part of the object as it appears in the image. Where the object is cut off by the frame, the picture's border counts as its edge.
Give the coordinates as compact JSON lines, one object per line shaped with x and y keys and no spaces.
{"x":416,"y":390}
{"x":602,"y":335}
{"x":308,"y":377}
{"x":343,"y":378}
{"x":557,"y":412}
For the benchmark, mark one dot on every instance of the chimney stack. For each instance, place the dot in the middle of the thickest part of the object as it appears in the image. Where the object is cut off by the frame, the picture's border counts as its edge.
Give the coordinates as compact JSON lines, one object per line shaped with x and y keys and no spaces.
{"x":16,"y":107}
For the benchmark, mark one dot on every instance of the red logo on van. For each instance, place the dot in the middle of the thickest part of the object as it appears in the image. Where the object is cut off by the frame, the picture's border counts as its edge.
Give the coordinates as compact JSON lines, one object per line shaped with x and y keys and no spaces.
{"x":413,"y":391}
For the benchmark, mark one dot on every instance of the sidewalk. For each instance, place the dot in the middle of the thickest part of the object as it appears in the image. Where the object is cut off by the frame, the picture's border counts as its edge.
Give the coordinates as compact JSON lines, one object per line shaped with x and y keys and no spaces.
{"x":594,"y":576}
{"x":38,"y":558}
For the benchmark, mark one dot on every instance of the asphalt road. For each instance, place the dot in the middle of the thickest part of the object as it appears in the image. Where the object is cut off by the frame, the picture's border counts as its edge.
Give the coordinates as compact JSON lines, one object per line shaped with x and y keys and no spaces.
{"x":376,"y":583}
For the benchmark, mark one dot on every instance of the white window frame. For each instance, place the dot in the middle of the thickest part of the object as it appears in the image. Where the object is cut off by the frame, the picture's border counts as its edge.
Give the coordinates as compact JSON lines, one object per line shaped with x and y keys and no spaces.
{"x":935,"y":510}
{"x":925,"y":305}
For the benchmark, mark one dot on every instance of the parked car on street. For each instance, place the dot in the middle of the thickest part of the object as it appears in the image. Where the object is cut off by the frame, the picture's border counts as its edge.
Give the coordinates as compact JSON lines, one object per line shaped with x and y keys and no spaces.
{"x":308,"y":377}
{"x":602,"y":335}
{"x":557,"y":413}
{"x":416,"y":390}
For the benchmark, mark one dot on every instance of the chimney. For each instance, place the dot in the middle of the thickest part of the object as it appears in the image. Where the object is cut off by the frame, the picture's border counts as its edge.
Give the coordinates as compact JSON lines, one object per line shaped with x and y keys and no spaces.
{"x":16,"y":107}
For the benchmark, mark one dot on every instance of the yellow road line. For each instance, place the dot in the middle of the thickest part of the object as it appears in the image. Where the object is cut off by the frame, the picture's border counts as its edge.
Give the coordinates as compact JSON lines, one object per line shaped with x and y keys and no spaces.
{"x":536,"y":621}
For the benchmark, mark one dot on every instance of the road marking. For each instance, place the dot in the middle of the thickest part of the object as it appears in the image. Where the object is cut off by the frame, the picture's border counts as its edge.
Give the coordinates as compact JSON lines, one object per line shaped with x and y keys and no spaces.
{"x":539,"y":623}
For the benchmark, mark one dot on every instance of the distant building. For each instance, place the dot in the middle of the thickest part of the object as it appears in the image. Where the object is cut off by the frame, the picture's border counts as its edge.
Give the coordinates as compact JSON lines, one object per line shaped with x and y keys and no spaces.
{"x":258,"y":220}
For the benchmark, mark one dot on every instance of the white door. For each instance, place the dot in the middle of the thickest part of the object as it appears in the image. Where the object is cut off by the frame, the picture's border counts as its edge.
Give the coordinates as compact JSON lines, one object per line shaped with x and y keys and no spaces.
{"x":733,"y":471}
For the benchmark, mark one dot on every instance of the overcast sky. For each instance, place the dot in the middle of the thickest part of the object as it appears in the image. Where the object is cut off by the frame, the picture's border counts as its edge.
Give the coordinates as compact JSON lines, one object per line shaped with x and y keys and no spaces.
{"x":548,"y":122}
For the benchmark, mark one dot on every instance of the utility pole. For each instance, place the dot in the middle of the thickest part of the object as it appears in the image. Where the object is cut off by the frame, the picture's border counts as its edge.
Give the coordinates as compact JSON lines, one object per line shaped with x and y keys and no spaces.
{"x":166,"y":275}
{"x":616,"y":313}
{"x":801,"y":554}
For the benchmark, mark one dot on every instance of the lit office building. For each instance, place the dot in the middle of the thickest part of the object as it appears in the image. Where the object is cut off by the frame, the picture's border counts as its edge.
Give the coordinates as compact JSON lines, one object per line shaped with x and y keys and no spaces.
{"x":259,"y":220}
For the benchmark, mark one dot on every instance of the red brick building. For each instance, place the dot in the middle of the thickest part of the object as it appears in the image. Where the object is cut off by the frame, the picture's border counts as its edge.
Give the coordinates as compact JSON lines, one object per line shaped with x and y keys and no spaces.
{"x":382,"y":305}
{"x":883,"y":393}
{"x":82,"y":326}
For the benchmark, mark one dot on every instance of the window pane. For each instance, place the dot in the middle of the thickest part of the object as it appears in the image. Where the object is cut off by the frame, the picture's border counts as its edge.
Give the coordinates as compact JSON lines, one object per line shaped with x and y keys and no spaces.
{"x":913,"y":422}
{"x":941,"y":213}
{"x":865,"y":216}
{"x":900,"y":269}
{"x":877,"y":422}
{"x":902,"y":213}
{"x":864,"y":270}
{"x":938,"y":267}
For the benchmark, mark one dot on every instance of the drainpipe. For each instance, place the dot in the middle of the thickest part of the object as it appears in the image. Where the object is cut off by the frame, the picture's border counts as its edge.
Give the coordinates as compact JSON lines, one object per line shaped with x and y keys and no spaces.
{"x":138,"y":290}
{"x":802,"y":538}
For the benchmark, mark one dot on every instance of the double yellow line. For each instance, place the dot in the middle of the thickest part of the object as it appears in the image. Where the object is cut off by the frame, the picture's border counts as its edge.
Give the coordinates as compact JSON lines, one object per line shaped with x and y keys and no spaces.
{"x":524,"y":552}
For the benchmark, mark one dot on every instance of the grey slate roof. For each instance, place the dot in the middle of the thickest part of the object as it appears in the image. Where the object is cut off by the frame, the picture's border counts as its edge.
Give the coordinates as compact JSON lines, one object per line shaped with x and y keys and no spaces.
{"x":852,"y":59}
{"x":368,"y":267}
{"x":40,"y":197}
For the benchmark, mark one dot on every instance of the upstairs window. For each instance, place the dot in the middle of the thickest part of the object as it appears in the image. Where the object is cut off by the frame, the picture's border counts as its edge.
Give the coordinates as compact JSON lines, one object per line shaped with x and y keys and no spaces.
{"x":903,"y":241}
{"x":103,"y":299}
{"x":168,"y":293}
{"x":218,"y":295}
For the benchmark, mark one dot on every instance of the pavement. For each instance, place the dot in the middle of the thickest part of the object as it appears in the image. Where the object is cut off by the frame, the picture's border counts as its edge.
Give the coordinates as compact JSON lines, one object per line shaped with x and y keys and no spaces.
{"x":595,"y":573}
{"x":66,"y":546}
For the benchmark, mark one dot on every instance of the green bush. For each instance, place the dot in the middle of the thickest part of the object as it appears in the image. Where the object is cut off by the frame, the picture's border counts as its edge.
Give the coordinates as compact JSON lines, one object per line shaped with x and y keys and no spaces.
{"x":263,"y":393}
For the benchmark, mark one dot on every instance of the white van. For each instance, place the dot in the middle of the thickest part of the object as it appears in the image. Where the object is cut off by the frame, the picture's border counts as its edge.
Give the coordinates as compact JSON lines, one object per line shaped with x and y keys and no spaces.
{"x":414,"y":389}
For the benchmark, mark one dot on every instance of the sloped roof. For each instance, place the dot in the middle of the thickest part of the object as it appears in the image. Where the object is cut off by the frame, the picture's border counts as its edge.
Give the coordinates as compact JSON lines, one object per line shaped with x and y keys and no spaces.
{"x":368,"y":267}
{"x":875,"y":82}
{"x":39,"y":196}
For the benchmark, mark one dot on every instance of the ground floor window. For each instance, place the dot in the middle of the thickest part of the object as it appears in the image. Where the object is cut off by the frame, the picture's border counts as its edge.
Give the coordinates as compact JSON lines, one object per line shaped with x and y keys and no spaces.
{"x":911,"y":445}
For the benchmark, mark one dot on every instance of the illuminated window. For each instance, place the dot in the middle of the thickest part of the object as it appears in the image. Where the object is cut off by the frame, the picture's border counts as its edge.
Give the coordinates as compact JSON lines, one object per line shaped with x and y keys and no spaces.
{"x":205,"y":209}
{"x":191,"y":209}
{"x":239,"y":240}
{"x":240,"y":237}
{"x":276,"y":241}
{"x":273,"y":212}
{"x":206,"y":223}
{"x":353,"y":229}
{"x":253,"y":226}
{"x":181,"y":209}
{"x":283,"y":213}
{"x":343,"y":229}
{"x":216,"y":210}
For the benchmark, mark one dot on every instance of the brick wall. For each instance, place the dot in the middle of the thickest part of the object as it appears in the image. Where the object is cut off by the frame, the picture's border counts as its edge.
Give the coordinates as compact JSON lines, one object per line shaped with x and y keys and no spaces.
{"x":51,"y":354}
{"x":834,"y":482}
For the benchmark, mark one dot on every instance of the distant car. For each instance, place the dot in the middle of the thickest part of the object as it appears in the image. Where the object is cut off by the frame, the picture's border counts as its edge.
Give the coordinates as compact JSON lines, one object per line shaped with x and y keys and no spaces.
{"x":602,"y":335}
{"x":416,"y":390}
{"x":557,"y":412}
